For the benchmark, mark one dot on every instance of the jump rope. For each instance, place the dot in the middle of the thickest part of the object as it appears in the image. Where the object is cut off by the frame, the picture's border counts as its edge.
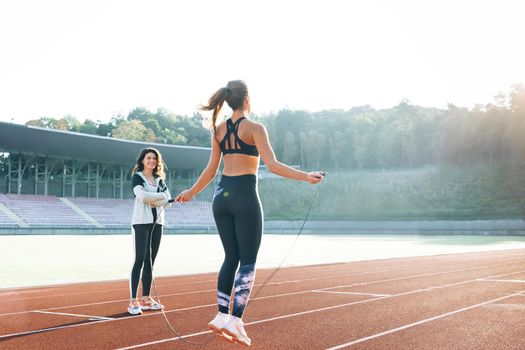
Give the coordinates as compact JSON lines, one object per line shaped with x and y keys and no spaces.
{"x":180,"y":337}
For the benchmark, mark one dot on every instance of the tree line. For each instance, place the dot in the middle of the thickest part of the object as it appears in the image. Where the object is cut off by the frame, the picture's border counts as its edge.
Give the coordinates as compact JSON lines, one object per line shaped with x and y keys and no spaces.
{"x":404,"y":136}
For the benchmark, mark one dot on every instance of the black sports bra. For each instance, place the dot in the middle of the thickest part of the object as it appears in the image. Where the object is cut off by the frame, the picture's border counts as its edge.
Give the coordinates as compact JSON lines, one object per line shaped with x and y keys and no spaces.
{"x":239,"y":146}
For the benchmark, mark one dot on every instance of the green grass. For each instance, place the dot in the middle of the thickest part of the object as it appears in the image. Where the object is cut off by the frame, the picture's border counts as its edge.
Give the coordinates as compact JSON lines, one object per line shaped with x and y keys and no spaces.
{"x":432,"y":193}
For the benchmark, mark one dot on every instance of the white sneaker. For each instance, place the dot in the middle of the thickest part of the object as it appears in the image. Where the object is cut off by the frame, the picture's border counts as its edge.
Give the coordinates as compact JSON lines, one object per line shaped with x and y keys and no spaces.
{"x":235,"y":329}
{"x":134,"y":309}
{"x":218,"y":323}
{"x":150,"y":305}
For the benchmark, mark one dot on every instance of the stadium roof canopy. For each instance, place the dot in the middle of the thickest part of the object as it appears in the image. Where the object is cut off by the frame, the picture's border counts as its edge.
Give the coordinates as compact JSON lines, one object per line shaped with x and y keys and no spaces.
{"x":72,"y":145}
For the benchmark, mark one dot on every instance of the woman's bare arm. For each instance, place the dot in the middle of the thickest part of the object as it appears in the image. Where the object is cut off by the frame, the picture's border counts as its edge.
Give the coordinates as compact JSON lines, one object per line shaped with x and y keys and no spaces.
{"x":260,"y":136}
{"x":207,"y":174}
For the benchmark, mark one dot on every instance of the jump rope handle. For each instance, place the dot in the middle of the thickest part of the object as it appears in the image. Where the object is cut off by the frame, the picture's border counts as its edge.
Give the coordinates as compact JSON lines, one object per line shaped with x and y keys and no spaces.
{"x":322,"y":173}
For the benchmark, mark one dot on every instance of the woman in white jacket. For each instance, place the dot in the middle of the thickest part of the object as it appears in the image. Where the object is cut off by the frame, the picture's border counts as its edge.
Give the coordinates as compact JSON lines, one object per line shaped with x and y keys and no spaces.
{"x":151,"y":194}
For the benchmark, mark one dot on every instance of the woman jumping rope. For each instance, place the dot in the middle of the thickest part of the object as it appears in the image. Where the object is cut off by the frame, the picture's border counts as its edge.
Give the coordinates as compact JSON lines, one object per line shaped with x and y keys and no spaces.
{"x":236,"y":206}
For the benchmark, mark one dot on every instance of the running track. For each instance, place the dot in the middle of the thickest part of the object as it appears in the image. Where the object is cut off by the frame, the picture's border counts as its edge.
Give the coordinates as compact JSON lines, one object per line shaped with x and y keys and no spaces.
{"x":461,"y":301}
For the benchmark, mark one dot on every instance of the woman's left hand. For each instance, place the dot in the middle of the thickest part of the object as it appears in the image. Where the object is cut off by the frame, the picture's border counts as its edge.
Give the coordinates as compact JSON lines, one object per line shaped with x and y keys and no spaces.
{"x":184,"y":196}
{"x":315,"y":177}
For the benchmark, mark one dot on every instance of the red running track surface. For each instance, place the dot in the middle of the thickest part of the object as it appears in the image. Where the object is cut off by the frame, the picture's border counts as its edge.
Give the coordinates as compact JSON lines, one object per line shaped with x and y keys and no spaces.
{"x":460,"y":301}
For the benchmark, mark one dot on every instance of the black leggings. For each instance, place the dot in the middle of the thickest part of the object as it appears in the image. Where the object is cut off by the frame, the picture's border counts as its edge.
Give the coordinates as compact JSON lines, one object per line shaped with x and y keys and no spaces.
{"x":238,"y":214}
{"x":146,"y":249}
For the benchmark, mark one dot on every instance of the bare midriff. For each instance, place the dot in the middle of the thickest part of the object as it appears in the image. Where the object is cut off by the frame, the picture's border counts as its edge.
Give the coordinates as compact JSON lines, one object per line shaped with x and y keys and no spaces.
{"x":240,"y":164}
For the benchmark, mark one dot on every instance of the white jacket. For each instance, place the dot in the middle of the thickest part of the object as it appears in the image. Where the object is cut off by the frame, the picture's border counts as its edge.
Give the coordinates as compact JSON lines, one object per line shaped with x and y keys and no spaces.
{"x":145,"y":194}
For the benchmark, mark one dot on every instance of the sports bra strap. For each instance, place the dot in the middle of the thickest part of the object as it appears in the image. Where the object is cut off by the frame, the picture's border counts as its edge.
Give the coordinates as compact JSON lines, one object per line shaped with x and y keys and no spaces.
{"x":239,"y":145}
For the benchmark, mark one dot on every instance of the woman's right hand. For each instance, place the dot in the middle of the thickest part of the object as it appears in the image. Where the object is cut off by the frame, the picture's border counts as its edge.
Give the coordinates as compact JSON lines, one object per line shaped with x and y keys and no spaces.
{"x":184,"y":196}
{"x":315,"y":177}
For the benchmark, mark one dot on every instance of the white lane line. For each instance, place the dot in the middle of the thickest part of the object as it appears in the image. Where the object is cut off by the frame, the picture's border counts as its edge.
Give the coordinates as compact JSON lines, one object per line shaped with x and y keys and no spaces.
{"x":493,"y":280}
{"x":150,"y":314}
{"x":250,"y":323}
{"x":203,"y":281}
{"x":213,"y":290}
{"x":95,"y":291}
{"x":415,"y":276}
{"x":320,"y":267}
{"x":266,"y":297}
{"x":410,"y":325}
{"x":397,"y":279}
{"x":352,"y":293}
{"x":46,"y":330}
{"x":314,"y":310}
{"x":194,"y":292}
{"x":166,"y":340}
{"x":101,"y":321}
{"x":75,"y":315}
{"x":183,"y":283}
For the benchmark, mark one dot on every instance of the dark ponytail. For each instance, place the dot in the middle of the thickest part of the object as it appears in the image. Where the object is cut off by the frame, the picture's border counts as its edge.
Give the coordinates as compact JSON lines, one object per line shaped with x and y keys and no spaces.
{"x":233,"y":93}
{"x":215,"y":104}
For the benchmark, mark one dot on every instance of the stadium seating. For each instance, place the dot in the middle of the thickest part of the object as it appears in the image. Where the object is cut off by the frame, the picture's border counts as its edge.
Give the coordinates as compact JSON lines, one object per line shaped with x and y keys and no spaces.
{"x":5,"y":221}
{"x":108,"y":212}
{"x":117,"y":212}
{"x":50,"y":211}
{"x":194,"y":213}
{"x":43,"y":211}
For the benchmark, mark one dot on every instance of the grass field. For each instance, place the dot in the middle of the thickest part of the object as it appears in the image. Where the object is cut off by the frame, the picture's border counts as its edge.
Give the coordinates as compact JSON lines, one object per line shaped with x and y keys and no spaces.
{"x":458,"y":193}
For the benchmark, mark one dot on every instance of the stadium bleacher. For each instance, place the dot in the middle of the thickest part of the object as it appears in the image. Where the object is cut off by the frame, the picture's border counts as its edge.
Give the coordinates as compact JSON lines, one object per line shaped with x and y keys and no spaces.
{"x":117,"y":212}
{"x":194,"y":213}
{"x":43,"y":211}
{"x":6,"y":221}
{"x":108,"y":212}
{"x":50,"y":211}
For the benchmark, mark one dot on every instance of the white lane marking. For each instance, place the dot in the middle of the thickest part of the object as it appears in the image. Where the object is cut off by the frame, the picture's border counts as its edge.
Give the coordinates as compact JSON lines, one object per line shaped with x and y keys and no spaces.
{"x":148,"y":314}
{"x":45,"y":330}
{"x":91,"y":317}
{"x":105,"y":291}
{"x":182,"y":283}
{"x":314,"y":310}
{"x":188,"y":293}
{"x":205,"y":281}
{"x":410,"y":325}
{"x":272,"y":296}
{"x":100,"y":321}
{"x":318,"y":267}
{"x":493,"y":280}
{"x":415,"y":276}
{"x":250,"y":323}
{"x":351,"y":293}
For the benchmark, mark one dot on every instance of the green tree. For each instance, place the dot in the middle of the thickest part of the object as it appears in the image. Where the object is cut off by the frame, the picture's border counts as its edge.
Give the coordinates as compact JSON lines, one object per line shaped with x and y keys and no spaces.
{"x":314,"y":146}
{"x":133,"y":130}
{"x":70,"y":123}
{"x":294,"y":121}
{"x":141,"y":114}
{"x":291,"y":149}
{"x":89,"y":127}
{"x":340,"y":149}
{"x":43,"y":122}
{"x":362,"y":134}
{"x":516,"y":126}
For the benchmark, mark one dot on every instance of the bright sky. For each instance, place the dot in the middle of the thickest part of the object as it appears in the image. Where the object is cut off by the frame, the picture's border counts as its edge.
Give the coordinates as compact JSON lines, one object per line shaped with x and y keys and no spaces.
{"x":93,"y":59}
